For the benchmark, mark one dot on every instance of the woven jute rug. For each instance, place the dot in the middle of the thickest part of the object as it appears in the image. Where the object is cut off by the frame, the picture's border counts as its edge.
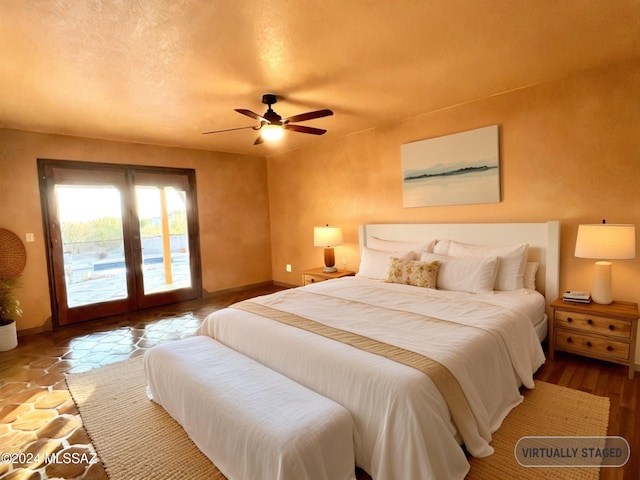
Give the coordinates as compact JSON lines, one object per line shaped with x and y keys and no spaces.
{"x":547,"y":410}
{"x":136,"y":439}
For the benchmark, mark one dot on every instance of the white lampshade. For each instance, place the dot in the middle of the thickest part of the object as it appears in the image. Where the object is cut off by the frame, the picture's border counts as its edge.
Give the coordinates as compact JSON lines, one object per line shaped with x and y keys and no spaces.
{"x":605,"y":242}
{"x":327,"y":236}
{"x":271,"y":132}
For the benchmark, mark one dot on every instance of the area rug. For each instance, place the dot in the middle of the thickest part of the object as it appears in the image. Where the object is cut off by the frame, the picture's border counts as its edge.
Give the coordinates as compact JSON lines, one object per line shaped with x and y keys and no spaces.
{"x":547,"y":410}
{"x":136,"y":438}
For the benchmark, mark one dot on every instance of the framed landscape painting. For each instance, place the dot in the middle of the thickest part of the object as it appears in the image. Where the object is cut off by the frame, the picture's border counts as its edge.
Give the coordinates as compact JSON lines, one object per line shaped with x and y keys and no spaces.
{"x":458,"y":169}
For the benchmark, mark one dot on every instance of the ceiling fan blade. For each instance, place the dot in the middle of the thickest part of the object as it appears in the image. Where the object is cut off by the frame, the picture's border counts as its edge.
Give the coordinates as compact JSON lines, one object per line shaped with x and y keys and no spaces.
{"x":309,"y":116}
{"x":227,"y":130}
{"x":259,"y":140}
{"x":303,"y":129}
{"x":251,"y":114}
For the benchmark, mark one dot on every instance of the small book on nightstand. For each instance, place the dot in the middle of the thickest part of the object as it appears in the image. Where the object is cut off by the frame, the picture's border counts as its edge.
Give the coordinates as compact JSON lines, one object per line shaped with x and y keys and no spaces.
{"x":576,"y":297}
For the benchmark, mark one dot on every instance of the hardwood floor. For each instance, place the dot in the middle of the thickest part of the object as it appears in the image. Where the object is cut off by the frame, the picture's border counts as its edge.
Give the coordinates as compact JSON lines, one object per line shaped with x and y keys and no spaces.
{"x":37,"y":414}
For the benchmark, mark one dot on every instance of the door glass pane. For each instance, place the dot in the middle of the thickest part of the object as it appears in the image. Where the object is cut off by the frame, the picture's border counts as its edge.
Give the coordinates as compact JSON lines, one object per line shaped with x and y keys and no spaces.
{"x":165,"y":239}
{"x":93,"y":247}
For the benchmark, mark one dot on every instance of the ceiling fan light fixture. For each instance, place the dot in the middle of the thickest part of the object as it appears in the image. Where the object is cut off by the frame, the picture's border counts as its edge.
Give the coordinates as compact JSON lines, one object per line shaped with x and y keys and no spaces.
{"x":272,"y":125}
{"x":272,"y":132}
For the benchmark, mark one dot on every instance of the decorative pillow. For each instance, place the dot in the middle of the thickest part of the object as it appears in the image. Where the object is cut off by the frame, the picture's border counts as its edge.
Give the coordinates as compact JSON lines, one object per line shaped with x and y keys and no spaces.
{"x":530,"y":270}
{"x":400,"y":246}
{"x":465,"y":274}
{"x":413,"y":272}
{"x":375,"y":263}
{"x":512,"y":260}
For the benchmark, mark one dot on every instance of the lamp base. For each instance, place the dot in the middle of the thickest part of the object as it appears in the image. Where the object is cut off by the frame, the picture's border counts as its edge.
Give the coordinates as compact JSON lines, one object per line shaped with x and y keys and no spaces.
{"x":602,"y":283}
{"x":329,"y":260}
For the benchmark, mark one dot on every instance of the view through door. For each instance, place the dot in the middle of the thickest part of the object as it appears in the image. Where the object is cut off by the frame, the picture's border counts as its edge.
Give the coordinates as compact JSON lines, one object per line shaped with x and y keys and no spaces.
{"x":121,"y":238}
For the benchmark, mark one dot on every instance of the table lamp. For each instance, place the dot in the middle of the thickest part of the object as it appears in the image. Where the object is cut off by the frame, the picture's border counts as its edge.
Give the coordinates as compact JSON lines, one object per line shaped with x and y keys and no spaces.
{"x":605,"y":242}
{"x":328,"y":237}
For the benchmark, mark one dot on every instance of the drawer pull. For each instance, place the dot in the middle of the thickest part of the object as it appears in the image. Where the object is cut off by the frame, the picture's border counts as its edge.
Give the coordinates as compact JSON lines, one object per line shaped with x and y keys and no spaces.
{"x":609,"y":348}
{"x":589,"y":344}
{"x":590,"y":322}
{"x":569,"y":319}
{"x":569,"y":339}
{"x":612,"y":328}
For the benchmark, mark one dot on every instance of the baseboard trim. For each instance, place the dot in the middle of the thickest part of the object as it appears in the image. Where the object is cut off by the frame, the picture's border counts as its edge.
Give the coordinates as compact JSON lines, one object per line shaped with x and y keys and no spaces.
{"x":284,"y":285}
{"x":225,"y":291}
{"x":46,"y":327}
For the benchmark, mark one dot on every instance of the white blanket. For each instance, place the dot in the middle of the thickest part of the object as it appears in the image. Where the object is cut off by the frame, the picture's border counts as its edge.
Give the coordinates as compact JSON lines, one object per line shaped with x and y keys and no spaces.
{"x":402,"y":425}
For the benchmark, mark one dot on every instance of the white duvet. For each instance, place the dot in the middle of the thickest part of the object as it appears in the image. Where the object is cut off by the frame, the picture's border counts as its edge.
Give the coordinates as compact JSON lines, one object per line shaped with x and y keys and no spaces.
{"x":403,"y":429}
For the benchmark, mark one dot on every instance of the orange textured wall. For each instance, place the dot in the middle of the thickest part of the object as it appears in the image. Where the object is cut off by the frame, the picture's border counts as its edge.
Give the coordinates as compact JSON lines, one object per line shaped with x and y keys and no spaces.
{"x":232,"y":204}
{"x":569,"y":152}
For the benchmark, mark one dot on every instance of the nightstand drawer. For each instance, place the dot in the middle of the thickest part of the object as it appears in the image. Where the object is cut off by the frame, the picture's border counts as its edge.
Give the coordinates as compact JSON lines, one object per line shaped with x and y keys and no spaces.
{"x":313,"y":279}
{"x":593,"y":324}
{"x":566,"y":339}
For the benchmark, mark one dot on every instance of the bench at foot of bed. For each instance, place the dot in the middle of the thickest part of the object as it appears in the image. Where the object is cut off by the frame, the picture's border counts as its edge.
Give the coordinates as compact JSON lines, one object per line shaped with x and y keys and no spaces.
{"x":250,"y":421}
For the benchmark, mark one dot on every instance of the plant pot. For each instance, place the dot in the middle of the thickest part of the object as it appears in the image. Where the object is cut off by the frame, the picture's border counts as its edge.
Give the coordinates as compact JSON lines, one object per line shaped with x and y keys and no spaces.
{"x":8,"y":336}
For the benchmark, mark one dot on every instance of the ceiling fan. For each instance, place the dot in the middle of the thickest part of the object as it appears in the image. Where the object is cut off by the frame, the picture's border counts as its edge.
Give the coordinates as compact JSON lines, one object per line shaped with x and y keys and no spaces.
{"x":272,"y":125}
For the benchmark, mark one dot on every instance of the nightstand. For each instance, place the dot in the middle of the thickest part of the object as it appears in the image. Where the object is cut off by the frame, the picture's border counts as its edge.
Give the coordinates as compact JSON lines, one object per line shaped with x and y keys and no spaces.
{"x":607,"y":332}
{"x":315,"y":275}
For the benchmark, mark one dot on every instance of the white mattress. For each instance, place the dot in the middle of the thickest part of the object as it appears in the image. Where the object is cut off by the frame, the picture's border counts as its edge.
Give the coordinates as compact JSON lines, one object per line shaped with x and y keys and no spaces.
{"x":403,"y":427}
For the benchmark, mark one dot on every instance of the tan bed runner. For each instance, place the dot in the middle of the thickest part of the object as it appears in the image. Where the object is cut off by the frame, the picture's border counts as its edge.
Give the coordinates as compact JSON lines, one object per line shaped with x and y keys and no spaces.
{"x":444,"y":380}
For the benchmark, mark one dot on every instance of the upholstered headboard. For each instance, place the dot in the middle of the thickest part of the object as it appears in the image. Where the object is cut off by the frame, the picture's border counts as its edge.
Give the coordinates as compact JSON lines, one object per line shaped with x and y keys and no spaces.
{"x":543,"y":240}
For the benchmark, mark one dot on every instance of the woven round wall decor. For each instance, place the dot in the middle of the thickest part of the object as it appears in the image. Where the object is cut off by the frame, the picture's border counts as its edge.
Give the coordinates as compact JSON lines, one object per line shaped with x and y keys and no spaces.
{"x":13,"y":256}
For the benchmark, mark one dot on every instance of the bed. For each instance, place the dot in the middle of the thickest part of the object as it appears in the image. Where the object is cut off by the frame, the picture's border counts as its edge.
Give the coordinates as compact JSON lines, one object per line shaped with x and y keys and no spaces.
{"x":428,"y":374}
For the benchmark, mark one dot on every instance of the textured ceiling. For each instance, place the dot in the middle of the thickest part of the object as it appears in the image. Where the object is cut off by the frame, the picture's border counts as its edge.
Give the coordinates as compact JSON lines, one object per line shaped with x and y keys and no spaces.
{"x":164,"y":71}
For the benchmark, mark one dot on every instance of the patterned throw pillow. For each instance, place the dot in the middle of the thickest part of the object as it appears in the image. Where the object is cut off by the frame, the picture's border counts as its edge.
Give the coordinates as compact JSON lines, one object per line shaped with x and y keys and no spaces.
{"x":413,"y":272}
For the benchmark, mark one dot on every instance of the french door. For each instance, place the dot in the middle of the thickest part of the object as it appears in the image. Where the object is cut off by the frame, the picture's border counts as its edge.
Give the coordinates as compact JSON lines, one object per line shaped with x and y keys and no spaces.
{"x":120,"y":238}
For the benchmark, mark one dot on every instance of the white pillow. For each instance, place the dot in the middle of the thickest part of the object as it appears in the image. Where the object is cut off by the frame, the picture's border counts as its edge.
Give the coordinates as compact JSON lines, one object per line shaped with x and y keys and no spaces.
{"x":465,"y":274}
{"x":441,"y":247}
{"x":529,"y":279}
{"x":400,"y":246}
{"x":375,"y":263}
{"x":512,"y":260}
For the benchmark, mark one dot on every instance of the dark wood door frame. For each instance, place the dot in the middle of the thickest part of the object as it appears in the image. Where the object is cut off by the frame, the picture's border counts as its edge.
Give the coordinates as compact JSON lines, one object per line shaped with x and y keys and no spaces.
{"x":136,"y":299}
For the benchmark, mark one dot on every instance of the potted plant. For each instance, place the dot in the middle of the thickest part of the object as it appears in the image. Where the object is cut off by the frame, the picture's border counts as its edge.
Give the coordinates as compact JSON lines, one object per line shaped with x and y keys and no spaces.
{"x":9,"y":311}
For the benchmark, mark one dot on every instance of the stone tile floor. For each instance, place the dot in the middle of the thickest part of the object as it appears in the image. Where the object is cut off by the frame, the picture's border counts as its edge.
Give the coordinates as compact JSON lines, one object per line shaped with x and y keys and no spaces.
{"x":38,"y":417}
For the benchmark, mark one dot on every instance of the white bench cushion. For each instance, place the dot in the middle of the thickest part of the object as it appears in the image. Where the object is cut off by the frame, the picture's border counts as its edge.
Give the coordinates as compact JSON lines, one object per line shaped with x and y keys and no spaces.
{"x":250,"y":421}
